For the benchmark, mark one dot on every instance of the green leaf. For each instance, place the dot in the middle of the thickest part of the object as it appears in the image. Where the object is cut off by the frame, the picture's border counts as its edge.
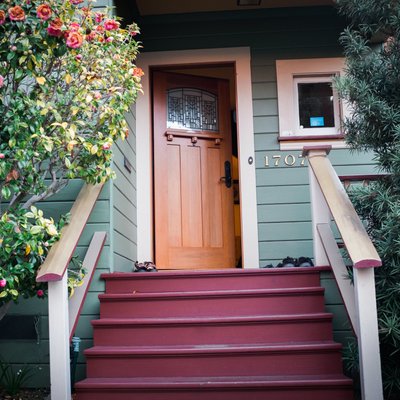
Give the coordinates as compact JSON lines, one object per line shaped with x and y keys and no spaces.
{"x":3,"y":294}
{"x":36,"y":229}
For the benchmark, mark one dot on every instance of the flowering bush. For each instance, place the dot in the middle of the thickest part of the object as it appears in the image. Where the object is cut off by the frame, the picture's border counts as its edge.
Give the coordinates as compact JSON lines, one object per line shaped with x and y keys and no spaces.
{"x":67,"y":77}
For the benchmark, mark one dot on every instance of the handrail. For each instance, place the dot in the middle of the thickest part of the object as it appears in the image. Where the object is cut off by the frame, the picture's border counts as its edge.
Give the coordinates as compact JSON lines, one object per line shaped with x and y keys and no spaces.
{"x":358,"y":244}
{"x":89,"y":264}
{"x":60,"y":254}
{"x":329,"y":199}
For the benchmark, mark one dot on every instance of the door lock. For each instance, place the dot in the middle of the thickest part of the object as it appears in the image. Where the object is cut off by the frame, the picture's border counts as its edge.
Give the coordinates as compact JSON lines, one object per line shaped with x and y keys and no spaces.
{"x":227,"y":179}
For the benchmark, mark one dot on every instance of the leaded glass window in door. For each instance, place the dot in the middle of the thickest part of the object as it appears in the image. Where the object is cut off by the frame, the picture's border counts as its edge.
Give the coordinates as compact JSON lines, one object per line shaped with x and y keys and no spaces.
{"x":192,"y":109}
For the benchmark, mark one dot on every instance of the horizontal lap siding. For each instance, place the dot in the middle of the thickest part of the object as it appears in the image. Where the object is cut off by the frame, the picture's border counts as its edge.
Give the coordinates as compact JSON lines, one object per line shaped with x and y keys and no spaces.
{"x":124,"y":219}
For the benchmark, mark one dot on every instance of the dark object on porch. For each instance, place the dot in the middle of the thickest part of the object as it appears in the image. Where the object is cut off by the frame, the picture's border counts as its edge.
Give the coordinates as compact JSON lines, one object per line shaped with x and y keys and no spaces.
{"x":289,"y":262}
{"x":146,"y":266}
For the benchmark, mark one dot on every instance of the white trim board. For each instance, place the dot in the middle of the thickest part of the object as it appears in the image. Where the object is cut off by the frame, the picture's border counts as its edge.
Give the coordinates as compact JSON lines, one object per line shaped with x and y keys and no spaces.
{"x":240,"y":57}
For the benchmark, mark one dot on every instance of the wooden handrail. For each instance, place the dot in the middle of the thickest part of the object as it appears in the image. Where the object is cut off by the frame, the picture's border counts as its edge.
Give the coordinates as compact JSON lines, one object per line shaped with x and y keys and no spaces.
{"x":358,"y":244}
{"x":60,"y":254}
{"x":89,"y":264}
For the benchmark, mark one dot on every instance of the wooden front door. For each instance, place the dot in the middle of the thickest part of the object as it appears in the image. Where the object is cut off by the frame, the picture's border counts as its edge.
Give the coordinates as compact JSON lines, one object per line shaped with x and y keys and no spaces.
{"x":193,"y":198}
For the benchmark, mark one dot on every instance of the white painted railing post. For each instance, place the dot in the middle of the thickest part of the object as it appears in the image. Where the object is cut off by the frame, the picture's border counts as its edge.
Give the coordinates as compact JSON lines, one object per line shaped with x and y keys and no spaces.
{"x":60,"y":379}
{"x":320,"y":214}
{"x":368,"y":338}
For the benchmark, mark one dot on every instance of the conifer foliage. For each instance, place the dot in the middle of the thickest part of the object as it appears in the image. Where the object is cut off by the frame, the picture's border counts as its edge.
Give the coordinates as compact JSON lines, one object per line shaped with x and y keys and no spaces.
{"x":372,"y":89}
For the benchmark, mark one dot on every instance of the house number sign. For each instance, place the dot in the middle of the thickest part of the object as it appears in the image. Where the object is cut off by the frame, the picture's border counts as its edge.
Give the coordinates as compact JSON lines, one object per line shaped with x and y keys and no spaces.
{"x":289,"y":160}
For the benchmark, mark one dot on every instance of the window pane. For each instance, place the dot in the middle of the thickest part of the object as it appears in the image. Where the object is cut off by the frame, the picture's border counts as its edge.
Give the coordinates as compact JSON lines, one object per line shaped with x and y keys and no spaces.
{"x":192,"y":109}
{"x":316,"y":105}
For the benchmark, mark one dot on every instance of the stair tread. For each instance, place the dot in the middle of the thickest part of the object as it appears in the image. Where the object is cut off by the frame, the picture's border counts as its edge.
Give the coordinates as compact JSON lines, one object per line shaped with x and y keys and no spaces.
{"x":217,"y":381}
{"x":213,"y":293}
{"x":213,"y":320}
{"x":208,"y":272}
{"x":327,"y":345}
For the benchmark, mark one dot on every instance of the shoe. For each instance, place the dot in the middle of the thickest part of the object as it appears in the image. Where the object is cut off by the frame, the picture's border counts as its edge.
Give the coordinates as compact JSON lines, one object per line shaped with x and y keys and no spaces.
{"x":304,"y":262}
{"x":146,"y":266}
{"x":289,"y":262}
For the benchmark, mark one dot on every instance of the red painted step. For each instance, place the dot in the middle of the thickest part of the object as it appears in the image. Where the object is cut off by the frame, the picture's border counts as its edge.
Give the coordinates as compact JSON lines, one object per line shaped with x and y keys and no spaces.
{"x":222,"y":335}
{"x":304,"y":387}
{"x":229,"y":279}
{"x":203,"y":303}
{"x":225,"y":360}
{"x":206,"y":330}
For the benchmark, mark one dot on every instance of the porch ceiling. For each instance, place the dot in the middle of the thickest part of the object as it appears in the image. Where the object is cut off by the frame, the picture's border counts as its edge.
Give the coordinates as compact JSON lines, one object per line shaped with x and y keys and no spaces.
{"x":157,"y":7}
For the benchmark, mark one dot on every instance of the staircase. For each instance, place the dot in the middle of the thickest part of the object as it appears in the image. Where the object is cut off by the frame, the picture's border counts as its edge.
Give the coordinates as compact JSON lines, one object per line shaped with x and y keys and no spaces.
{"x":233,"y":334}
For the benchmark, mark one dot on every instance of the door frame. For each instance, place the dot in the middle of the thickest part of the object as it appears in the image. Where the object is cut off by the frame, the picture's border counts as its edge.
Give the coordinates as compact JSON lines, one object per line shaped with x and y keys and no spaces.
{"x":240,"y":57}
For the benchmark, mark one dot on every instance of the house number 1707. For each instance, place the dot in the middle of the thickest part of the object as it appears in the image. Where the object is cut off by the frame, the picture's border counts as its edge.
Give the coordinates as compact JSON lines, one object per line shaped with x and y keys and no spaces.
{"x":290,"y":160}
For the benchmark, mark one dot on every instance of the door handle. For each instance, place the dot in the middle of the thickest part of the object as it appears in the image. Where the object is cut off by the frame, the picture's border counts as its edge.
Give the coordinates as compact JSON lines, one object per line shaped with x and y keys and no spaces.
{"x":227,"y":179}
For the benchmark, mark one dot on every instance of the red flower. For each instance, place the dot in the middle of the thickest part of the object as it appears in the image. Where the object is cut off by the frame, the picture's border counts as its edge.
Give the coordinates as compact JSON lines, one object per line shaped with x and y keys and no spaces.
{"x":54,"y":29}
{"x":106,"y":146}
{"x":111,"y":24}
{"x":16,"y":13}
{"x":74,"y":40}
{"x":98,"y":17}
{"x":76,"y":2}
{"x":44,"y":12}
{"x":74,"y":26}
{"x":138,"y":72}
{"x":40,"y":293}
{"x":2,"y":17}
{"x":91,"y":36}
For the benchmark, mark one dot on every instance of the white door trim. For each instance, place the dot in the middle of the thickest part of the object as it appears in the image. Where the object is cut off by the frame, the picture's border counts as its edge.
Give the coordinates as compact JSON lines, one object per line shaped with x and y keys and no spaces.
{"x":240,"y":56}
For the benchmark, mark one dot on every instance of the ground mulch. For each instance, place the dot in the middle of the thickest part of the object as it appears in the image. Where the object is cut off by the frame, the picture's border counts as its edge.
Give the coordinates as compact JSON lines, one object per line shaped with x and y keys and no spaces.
{"x":27,"y":394}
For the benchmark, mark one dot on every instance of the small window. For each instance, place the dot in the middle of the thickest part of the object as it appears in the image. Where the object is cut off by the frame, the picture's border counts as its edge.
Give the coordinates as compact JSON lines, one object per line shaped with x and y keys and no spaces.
{"x":309,"y":107}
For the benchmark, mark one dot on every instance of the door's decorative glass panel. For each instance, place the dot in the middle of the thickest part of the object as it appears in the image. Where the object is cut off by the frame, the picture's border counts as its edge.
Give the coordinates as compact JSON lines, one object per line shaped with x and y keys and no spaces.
{"x":192,"y":109}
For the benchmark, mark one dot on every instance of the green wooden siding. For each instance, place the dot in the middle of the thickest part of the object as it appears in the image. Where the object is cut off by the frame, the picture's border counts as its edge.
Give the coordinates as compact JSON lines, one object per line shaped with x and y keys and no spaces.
{"x":123,"y":217}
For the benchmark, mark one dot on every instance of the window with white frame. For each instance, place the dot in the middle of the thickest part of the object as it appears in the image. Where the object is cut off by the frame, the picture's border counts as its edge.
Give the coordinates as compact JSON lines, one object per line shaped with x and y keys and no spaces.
{"x":309,"y":107}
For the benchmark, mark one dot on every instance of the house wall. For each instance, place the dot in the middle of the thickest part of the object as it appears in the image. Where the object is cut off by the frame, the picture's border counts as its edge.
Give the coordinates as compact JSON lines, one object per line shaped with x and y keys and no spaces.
{"x":123,"y":200}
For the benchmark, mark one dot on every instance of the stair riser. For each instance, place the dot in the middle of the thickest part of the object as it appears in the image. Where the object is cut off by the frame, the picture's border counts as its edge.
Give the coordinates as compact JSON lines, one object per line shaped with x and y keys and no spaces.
{"x":226,"y":364}
{"x":212,"y":334}
{"x":139,"y":283}
{"x":232,"y":394}
{"x":210,"y":306}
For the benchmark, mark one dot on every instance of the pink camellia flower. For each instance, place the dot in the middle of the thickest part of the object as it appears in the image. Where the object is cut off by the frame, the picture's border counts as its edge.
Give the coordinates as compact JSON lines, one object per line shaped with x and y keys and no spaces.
{"x":3,"y":282}
{"x":78,"y":57}
{"x":74,"y":40}
{"x":54,"y":29}
{"x":97,"y":95}
{"x":91,"y":36}
{"x":106,"y":146}
{"x":109,"y":39}
{"x":2,"y":17}
{"x":138,"y":72}
{"x":76,"y":2}
{"x":40,"y":293}
{"x":16,"y":13}
{"x":98,"y":17}
{"x":74,"y":26}
{"x":44,"y":12}
{"x":2,"y":155}
{"x":110,"y":24}
{"x":1,"y":81}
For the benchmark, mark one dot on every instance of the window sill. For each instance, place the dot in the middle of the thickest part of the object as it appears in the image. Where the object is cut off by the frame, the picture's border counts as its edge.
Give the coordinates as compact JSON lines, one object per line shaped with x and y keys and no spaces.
{"x":298,"y":142}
